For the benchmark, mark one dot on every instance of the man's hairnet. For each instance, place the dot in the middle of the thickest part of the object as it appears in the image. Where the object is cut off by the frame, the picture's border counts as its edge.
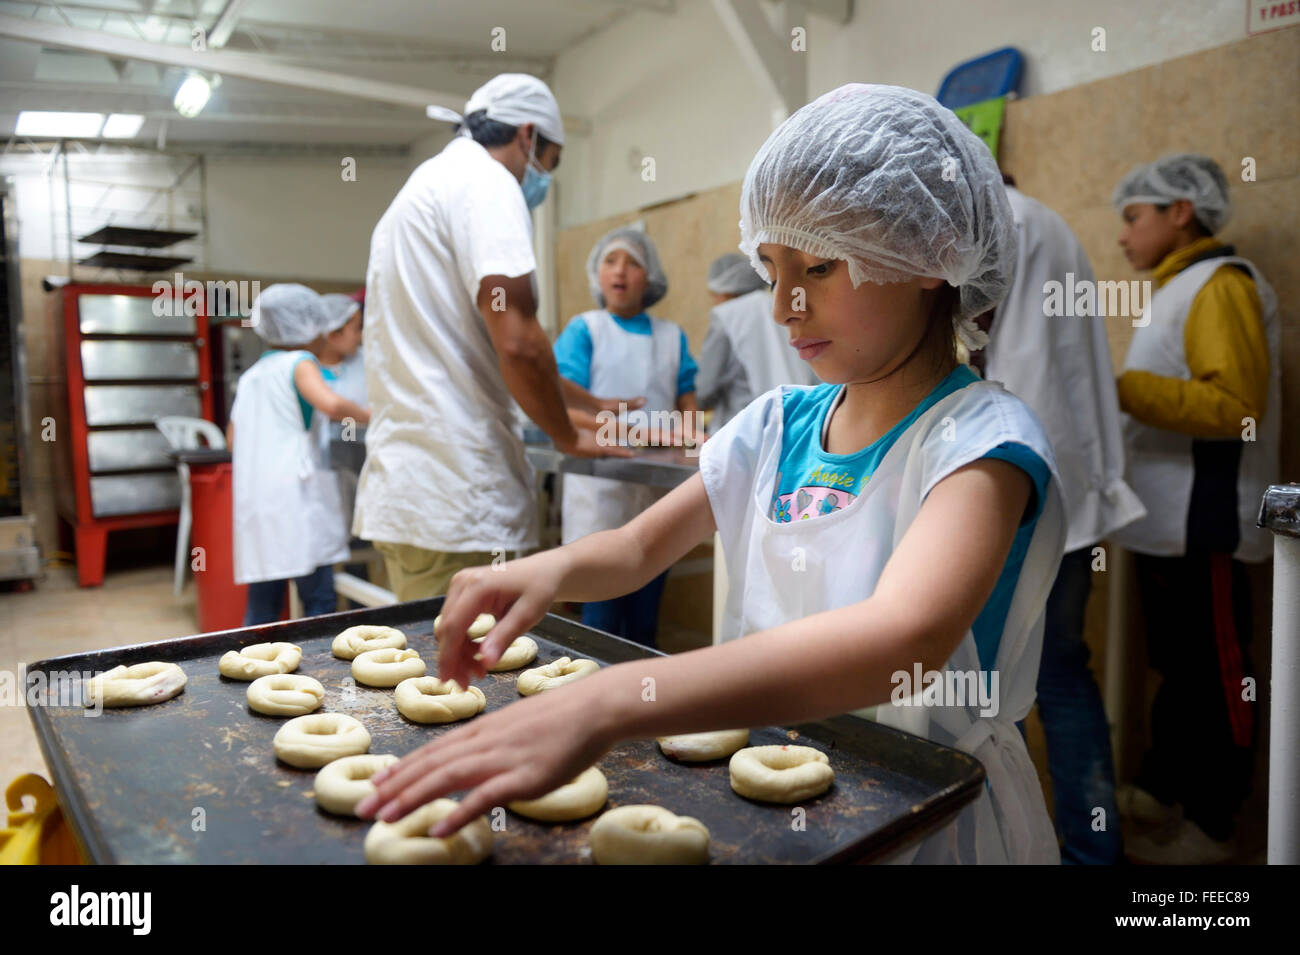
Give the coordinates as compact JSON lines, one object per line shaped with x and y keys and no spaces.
{"x":1198,"y":179}
{"x":338,"y":308}
{"x":513,"y":99}
{"x":731,"y":274}
{"x":288,"y":314}
{"x":890,"y":181}
{"x":638,"y":245}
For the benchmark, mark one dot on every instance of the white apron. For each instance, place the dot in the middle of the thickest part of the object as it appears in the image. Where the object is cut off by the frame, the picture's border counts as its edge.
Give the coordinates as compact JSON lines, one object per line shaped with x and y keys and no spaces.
{"x":1160,"y":467}
{"x":288,"y":516}
{"x":623,"y":365}
{"x":841,"y":557}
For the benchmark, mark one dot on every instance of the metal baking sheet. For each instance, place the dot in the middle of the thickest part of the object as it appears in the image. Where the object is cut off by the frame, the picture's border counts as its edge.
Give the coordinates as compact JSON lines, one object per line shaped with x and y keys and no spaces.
{"x":123,"y":450}
{"x":655,"y":467}
{"x":127,"y":360}
{"x":130,"y":315}
{"x":115,"y":494}
{"x":195,"y":779}
{"x":139,"y":404}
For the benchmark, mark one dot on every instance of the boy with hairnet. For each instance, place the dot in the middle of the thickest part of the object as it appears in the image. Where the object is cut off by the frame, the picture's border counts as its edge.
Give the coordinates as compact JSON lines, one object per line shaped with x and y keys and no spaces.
{"x":1201,"y":392}
{"x":903,"y":517}
{"x":619,"y":348}
{"x":289,"y":522}
{"x":745,"y":353}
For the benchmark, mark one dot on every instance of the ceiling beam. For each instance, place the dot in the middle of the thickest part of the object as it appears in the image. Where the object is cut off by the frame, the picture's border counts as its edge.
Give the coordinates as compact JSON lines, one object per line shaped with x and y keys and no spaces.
{"x":225,"y":23}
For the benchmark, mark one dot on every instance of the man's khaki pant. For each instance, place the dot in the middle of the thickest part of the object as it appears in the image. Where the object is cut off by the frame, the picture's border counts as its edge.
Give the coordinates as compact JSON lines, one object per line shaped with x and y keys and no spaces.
{"x":415,"y":573}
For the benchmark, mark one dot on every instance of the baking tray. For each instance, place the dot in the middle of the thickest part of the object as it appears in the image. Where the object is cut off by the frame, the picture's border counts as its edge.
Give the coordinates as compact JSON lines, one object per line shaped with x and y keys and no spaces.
{"x":195,"y":779}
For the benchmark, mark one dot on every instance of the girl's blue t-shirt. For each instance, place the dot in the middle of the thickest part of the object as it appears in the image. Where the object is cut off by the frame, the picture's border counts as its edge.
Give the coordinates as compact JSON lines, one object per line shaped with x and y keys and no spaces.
{"x":811,"y":482}
{"x":573,"y":351}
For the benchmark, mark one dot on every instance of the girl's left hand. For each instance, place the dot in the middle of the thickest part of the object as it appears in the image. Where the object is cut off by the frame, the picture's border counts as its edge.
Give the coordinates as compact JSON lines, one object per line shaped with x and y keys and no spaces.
{"x":523,"y":751}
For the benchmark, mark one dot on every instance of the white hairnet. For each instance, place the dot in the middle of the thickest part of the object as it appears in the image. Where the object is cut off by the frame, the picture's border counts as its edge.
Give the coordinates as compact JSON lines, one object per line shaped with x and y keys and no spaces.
{"x":890,"y":181}
{"x":1197,"y":179}
{"x":338,"y":308}
{"x":513,"y":99}
{"x":731,"y":274}
{"x":288,"y":314}
{"x":638,"y":245}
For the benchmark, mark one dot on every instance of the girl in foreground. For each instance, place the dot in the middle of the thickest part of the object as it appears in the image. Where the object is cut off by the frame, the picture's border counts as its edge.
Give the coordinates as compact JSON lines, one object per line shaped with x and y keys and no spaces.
{"x":904,"y":513}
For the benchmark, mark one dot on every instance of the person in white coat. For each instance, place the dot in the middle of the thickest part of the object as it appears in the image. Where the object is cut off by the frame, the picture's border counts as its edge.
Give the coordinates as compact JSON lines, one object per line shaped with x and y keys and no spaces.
{"x":288,"y":517}
{"x":454,"y":349}
{"x":745,"y":353}
{"x":1060,"y":366}
{"x":903,"y":515}
{"x":620,"y":347}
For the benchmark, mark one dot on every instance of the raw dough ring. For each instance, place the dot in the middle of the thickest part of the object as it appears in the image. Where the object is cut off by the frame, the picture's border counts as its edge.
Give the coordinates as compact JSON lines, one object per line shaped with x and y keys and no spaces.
{"x":407,"y":842}
{"x":342,"y":784}
{"x":548,"y":677}
{"x":137,"y":685}
{"x":387,"y":667}
{"x":285,"y":694}
{"x":575,"y":800}
{"x":309,"y":742}
{"x":521,"y":652}
{"x":482,"y":624}
{"x":648,"y":835}
{"x":784,"y":774}
{"x":701,"y":747}
{"x":260,"y":659}
{"x":426,"y":699}
{"x":354,"y":641}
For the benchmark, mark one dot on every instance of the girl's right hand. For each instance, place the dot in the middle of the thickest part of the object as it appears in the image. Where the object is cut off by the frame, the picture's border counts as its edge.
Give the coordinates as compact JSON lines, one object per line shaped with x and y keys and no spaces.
{"x":518,"y":593}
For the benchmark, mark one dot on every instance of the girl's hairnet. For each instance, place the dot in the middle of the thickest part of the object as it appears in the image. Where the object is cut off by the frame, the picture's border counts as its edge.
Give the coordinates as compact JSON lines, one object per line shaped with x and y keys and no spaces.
{"x":288,"y":314}
{"x":1198,"y":179}
{"x":890,"y":181}
{"x":638,"y":245}
{"x":731,"y":274}
{"x":338,"y":308}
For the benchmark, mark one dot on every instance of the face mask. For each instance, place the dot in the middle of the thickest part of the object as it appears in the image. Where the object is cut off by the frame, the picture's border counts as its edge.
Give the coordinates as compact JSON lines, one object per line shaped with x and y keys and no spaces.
{"x":536,"y":181}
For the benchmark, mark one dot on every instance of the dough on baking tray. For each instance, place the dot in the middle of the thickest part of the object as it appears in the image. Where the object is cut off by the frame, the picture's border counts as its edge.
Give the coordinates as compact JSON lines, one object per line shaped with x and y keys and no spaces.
{"x":553,"y":675}
{"x":700,"y":747}
{"x":648,"y":835}
{"x":482,"y":624}
{"x":426,"y":699}
{"x":140,"y":684}
{"x":356,"y":640}
{"x":407,"y":841}
{"x":342,"y":784}
{"x":784,"y":774}
{"x":521,"y":652}
{"x":285,"y":694}
{"x":574,"y":800}
{"x":260,"y":659}
{"x":309,"y":742}
{"x":387,"y":667}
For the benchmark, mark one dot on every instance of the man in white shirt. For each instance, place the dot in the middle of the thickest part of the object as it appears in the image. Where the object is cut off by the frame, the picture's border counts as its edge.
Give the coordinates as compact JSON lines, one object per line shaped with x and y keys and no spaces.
{"x":452,"y":342}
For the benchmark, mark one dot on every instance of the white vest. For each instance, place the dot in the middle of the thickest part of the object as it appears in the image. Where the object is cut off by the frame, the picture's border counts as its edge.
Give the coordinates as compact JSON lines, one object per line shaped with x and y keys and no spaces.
{"x":288,"y":516}
{"x":841,"y":557}
{"x":1160,"y":467}
{"x":623,"y":365}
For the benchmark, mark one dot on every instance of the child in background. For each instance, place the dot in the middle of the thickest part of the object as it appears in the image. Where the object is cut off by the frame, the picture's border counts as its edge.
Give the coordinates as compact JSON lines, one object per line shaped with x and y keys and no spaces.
{"x":348,"y":376}
{"x":616,"y":349}
{"x":882,"y":222}
{"x":1202,"y":396}
{"x":288,"y":519}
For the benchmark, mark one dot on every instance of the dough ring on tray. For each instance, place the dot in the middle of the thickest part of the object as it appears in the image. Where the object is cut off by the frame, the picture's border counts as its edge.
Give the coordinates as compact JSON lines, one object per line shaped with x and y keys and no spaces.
{"x":285,"y":694}
{"x":387,"y":667}
{"x":701,"y":747}
{"x":310,"y":742}
{"x":575,"y":800}
{"x":357,"y":640}
{"x":407,"y":841}
{"x":343,"y":783}
{"x":553,"y":675}
{"x":479,"y":629}
{"x":260,"y":659}
{"x":648,"y":835}
{"x":521,"y":652}
{"x":138,"y":685}
{"x":426,"y":699}
{"x":784,"y":774}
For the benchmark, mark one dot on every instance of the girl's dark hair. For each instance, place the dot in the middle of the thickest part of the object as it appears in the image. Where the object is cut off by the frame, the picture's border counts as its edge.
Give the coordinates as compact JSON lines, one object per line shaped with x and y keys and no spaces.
{"x":940,"y":340}
{"x":488,"y":132}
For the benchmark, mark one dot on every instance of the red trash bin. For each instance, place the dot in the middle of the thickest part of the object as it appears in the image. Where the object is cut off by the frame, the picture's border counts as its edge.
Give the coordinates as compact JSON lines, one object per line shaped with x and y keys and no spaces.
{"x":220,"y":600}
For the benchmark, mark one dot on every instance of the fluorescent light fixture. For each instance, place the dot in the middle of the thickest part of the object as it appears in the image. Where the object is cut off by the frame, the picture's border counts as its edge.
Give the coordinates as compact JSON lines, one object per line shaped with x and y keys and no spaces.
{"x":59,"y":125}
{"x":192,"y":95}
{"x":122,"y":125}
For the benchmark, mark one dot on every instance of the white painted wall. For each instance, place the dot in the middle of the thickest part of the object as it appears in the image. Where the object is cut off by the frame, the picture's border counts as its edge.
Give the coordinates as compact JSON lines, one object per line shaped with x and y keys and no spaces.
{"x":673,"y":87}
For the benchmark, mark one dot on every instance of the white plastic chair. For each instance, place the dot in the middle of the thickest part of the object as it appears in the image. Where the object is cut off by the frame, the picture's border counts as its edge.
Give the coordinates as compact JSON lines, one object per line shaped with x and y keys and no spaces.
{"x":186,"y":434}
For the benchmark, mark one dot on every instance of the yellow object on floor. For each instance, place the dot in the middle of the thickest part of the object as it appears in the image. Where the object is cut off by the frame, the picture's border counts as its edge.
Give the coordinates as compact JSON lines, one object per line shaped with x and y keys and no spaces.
{"x":39,"y":837}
